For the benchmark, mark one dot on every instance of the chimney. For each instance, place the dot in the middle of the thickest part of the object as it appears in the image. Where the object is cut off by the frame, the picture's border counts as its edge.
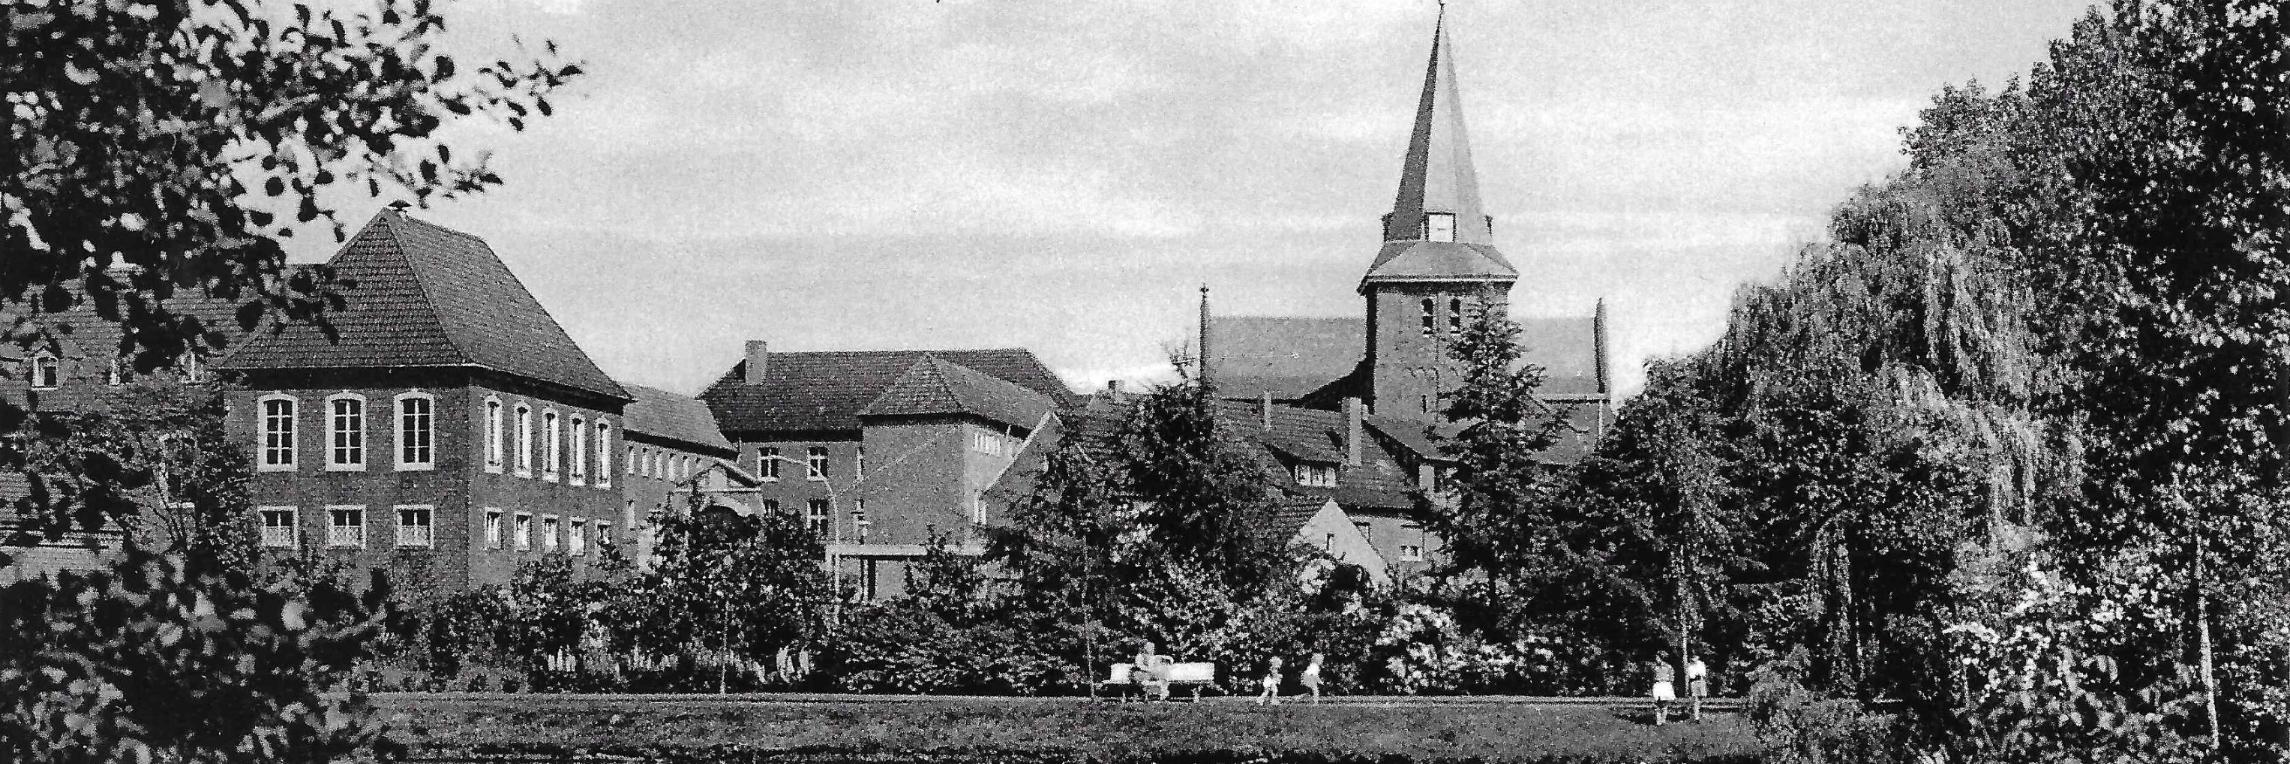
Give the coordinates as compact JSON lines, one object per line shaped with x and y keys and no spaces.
{"x":1264,"y":409}
{"x":1352,"y":432}
{"x":1113,"y":390}
{"x":758,"y":360}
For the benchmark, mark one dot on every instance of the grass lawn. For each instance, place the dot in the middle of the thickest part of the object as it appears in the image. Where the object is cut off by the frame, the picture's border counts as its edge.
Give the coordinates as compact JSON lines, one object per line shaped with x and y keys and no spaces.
{"x":441,"y":725}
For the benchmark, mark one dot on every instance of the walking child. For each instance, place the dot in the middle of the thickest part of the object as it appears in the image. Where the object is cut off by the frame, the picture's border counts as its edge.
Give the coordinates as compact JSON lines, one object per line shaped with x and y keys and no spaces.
{"x":1310,"y":677}
{"x":1271,"y":695}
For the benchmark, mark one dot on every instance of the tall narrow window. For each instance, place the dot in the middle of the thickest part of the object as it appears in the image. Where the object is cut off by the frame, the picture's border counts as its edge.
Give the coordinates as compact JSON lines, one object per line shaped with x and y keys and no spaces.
{"x":604,"y":539}
{"x":815,"y":517}
{"x":115,"y":374}
{"x":492,"y":528}
{"x":771,"y":506}
{"x":414,"y":528}
{"x":603,"y":454}
{"x":815,"y":463}
{"x":346,"y":432}
{"x":346,"y":526}
{"x":767,"y":463}
{"x":859,"y":523}
{"x":552,"y":445}
{"x":47,"y":372}
{"x":417,"y":431}
{"x":1430,"y":316}
{"x":635,"y":465}
{"x":859,"y":464}
{"x":1455,"y":314}
{"x":493,"y":435}
{"x":522,"y":533}
{"x":1439,"y":226}
{"x":277,"y":433}
{"x":524,"y":440}
{"x":548,"y":533}
{"x":279,"y":529}
{"x":577,"y":461}
{"x":576,"y":537}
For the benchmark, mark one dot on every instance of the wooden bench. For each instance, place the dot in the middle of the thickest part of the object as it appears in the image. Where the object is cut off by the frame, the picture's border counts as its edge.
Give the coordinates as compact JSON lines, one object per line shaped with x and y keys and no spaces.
{"x":1196,"y":676}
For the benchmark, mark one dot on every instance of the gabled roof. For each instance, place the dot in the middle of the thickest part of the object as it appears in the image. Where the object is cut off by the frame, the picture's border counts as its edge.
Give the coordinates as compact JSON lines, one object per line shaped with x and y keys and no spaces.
{"x":663,"y":415}
{"x":934,"y":385}
{"x":825,"y":391}
{"x":428,"y":296}
{"x":1318,"y":436}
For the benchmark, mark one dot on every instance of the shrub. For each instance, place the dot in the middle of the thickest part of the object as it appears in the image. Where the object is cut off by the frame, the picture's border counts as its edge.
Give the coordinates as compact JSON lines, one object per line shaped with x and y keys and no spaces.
{"x":149,"y":661}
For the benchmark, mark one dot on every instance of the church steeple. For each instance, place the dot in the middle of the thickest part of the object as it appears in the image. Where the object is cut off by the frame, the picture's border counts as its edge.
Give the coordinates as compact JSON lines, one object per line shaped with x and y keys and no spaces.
{"x":1438,"y":202}
{"x":1438,"y":177}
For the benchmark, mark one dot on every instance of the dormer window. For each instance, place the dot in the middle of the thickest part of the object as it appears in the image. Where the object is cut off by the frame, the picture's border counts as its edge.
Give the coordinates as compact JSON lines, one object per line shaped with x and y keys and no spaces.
{"x":1315,"y":475}
{"x":47,"y":372}
{"x":1439,"y":226}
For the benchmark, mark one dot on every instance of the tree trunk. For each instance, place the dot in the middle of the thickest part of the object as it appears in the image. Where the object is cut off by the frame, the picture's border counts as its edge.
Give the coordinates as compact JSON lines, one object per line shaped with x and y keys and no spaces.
{"x":2198,"y":595}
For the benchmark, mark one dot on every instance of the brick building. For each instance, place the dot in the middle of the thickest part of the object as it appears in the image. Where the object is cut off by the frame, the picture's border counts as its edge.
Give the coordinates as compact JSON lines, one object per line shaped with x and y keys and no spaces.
{"x":449,"y":431}
{"x":674,"y":449}
{"x":881,"y":450}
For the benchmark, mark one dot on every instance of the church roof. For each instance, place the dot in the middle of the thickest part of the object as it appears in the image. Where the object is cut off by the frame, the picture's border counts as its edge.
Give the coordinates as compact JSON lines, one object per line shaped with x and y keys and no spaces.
{"x":1287,"y":356}
{"x":1293,"y":356}
{"x":1439,"y":261}
{"x":424,"y":295}
{"x":657,"y":413}
{"x":826,"y":391}
{"x":935,"y":386}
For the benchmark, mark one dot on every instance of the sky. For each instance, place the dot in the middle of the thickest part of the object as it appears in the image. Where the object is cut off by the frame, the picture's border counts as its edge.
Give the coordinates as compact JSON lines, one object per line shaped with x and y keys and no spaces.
{"x":1064,"y":176}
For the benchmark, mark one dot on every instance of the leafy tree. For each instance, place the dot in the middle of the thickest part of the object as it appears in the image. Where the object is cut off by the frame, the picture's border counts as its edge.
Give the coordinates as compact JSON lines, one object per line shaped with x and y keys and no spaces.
{"x":742,"y":585}
{"x":162,"y":149}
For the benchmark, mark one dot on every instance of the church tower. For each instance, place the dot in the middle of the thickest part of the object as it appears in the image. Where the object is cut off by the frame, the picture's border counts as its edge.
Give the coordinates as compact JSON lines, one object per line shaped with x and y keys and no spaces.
{"x":1438,"y":263}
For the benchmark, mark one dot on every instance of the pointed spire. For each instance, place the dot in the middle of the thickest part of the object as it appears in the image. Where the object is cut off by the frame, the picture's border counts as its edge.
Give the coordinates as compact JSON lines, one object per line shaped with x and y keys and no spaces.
{"x":1438,"y":176}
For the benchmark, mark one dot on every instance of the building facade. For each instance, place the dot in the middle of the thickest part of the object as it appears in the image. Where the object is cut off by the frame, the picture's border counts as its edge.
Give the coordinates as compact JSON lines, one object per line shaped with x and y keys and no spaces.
{"x":446,"y":432}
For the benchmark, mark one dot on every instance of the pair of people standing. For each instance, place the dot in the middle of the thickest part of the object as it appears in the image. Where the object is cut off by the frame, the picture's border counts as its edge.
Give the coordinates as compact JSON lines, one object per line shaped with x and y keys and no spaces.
{"x":1665,"y":689}
{"x":1309,"y":678}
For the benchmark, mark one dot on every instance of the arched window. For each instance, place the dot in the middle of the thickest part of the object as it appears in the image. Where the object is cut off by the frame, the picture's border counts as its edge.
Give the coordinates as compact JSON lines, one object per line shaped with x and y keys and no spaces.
{"x":552,"y":445}
{"x":603,"y":454}
{"x":1455,"y":314}
{"x":277,"y":428}
{"x":346,"y":432}
{"x":494,"y":442}
{"x":524,"y":440}
{"x":1430,"y":316}
{"x":577,"y":462}
{"x":417,"y":431}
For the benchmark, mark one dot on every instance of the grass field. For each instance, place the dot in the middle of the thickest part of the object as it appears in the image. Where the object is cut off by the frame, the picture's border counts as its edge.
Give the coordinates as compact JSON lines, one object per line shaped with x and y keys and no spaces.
{"x":444,"y":724}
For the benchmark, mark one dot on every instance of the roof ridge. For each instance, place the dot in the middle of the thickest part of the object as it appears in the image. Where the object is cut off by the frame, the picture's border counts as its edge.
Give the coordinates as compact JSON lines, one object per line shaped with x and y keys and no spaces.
{"x":389,"y":218}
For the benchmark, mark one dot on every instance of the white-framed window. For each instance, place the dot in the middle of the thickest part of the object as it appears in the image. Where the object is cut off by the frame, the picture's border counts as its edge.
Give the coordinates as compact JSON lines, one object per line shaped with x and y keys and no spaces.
{"x":977,"y":507}
{"x":628,"y":515}
{"x":603,"y":454}
{"x":524,"y":440}
{"x":635,"y":462}
{"x":576,"y":462}
{"x":492,"y":528}
{"x":815,"y":517}
{"x":417,"y":431}
{"x":1411,"y":549}
{"x":1439,"y":226}
{"x":1430,"y":316}
{"x":277,"y":413}
{"x":815,"y":463}
{"x":346,"y":526}
{"x":859,"y":464}
{"x":576,"y":537}
{"x":494,"y":451}
{"x":1316,"y":475}
{"x":767,"y":464}
{"x":189,"y":363}
{"x":281,"y":529}
{"x":552,"y":445}
{"x":548,"y":533}
{"x":652,"y":463}
{"x":47,"y":371}
{"x":414,"y":526}
{"x":1455,"y":315}
{"x":346,"y":432}
{"x":522,"y":533}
